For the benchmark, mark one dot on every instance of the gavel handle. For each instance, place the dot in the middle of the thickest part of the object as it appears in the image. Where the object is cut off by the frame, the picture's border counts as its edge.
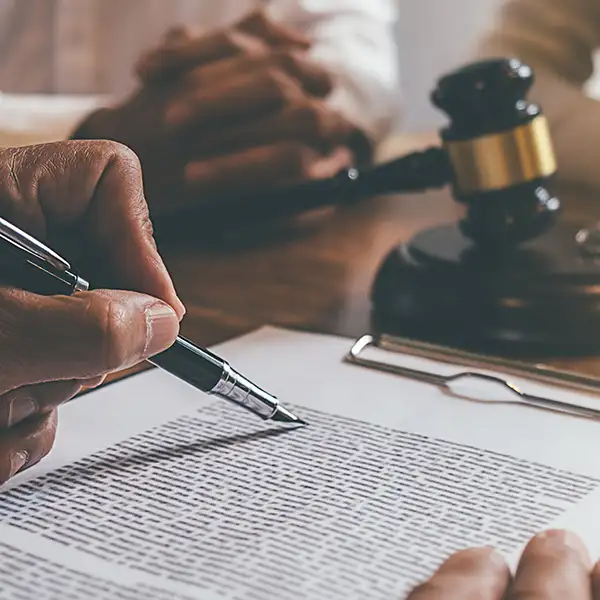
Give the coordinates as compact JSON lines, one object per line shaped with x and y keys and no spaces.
{"x":418,"y":171}
{"x":414,"y":172}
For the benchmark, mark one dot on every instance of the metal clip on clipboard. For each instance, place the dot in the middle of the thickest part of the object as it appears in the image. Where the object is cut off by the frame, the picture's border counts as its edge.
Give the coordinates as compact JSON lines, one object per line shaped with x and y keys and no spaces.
{"x":537,"y":372}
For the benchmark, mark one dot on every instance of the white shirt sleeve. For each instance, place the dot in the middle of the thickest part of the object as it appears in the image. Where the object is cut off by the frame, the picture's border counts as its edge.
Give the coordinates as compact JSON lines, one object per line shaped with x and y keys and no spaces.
{"x":36,"y":119}
{"x":356,"y":40}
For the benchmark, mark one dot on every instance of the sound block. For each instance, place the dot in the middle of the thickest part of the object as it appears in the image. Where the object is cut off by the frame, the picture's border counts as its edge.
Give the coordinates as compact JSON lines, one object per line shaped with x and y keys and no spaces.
{"x":540,"y":299}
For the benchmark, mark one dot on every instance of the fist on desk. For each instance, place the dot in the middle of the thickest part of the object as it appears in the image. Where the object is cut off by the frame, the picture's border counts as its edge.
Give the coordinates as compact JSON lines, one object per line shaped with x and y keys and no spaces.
{"x":234,"y":112}
{"x":86,"y":196}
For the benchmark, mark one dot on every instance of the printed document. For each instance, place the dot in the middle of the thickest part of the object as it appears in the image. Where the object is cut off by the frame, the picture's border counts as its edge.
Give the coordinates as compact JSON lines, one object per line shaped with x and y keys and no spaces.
{"x":156,"y":491}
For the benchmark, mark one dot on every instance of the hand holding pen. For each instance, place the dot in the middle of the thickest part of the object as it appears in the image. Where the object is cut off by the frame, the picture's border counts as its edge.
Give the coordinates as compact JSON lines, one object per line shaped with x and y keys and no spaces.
{"x":55,"y":345}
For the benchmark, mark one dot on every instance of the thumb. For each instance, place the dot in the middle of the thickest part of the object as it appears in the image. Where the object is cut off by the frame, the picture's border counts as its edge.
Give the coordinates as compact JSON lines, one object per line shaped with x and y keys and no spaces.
{"x":80,"y":336}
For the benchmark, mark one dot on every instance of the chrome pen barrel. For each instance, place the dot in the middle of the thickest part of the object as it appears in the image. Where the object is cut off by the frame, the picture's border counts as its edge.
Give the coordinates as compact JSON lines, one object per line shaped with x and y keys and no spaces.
{"x":81,"y":285}
{"x":241,"y":391}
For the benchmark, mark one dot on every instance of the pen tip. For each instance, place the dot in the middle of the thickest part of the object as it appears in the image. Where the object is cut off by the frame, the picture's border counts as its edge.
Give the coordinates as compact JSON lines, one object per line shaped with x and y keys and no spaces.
{"x":283,"y":415}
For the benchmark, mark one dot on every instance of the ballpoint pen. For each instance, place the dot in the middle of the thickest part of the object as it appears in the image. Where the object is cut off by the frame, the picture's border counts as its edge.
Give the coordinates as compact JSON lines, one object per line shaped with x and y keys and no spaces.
{"x":32,"y":266}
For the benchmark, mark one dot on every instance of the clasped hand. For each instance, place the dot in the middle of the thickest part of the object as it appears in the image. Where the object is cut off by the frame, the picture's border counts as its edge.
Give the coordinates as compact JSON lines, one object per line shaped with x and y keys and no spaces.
{"x":233,"y":112}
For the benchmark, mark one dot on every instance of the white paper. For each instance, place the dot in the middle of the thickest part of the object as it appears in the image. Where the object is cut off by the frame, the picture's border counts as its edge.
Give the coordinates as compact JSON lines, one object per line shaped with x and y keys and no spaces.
{"x":155,"y":491}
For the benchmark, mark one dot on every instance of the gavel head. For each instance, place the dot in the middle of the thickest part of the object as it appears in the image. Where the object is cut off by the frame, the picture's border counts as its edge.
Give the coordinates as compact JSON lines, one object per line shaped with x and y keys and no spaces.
{"x":500,"y":151}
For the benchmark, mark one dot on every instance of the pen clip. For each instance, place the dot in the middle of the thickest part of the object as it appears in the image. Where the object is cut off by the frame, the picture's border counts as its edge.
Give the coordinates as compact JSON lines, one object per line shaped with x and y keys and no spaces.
{"x":23,"y":241}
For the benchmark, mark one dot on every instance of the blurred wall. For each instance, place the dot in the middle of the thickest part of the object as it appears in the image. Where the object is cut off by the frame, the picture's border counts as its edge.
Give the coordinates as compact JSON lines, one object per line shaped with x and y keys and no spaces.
{"x":434,"y":37}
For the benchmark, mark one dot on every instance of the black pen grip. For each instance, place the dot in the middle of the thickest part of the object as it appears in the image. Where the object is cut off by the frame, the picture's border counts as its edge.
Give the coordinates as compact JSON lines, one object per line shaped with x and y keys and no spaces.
{"x":194,"y":365}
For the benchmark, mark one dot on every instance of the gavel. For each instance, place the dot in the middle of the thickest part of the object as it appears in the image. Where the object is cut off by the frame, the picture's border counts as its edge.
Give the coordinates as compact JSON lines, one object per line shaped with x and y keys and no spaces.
{"x":476,"y":283}
{"x":496,"y":155}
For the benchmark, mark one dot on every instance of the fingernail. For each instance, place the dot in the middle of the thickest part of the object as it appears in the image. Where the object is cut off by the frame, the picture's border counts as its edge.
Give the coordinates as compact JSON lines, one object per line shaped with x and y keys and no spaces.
{"x":483,"y":556}
{"x":20,"y":409}
{"x":180,"y":308}
{"x":495,"y":557}
{"x":93,"y":383}
{"x":565,"y":538}
{"x":163,"y":326}
{"x":17,"y":461}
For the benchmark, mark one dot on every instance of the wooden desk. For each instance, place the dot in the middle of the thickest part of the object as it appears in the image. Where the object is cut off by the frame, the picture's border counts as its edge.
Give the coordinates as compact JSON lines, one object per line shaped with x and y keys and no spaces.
{"x":314,"y":274}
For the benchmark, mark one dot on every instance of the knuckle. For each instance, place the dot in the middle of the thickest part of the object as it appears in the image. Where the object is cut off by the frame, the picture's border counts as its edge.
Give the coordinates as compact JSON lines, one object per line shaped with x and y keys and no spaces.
{"x":282,"y":86}
{"x":256,"y":23}
{"x":120,"y":154}
{"x":259,"y":18}
{"x":177,"y":34}
{"x":231,"y":39}
{"x":290,"y":60}
{"x":111,"y":153}
{"x":239,"y":42}
{"x":275,"y":79}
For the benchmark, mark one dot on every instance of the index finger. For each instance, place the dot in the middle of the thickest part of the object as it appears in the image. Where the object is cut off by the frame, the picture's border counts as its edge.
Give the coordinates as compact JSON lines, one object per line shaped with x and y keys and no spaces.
{"x":119,"y":221}
{"x":95,"y":189}
{"x":254,"y":35}
{"x":312,"y":76}
{"x":170,"y":59}
{"x":555,"y":565}
{"x":476,"y":574}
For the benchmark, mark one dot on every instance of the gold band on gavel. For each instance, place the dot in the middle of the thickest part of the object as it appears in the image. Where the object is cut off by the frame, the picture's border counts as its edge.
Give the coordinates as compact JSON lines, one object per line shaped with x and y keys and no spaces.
{"x":501,"y":160}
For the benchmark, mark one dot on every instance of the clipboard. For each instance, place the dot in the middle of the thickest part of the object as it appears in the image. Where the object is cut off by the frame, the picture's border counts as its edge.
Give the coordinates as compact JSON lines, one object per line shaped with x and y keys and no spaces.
{"x":473,"y":363}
